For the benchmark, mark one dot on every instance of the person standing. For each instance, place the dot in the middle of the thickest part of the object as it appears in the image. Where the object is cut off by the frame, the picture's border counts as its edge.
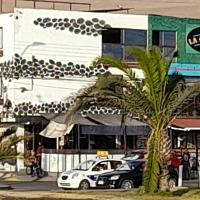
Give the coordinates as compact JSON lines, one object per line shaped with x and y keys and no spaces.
{"x":39,"y":153}
{"x":186,"y":164}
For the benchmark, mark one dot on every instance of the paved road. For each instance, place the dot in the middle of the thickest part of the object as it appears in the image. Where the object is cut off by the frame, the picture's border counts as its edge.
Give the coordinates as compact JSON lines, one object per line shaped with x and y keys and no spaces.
{"x":52,"y":186}
{"x":47,"y":186}
{"x":32,"y":186}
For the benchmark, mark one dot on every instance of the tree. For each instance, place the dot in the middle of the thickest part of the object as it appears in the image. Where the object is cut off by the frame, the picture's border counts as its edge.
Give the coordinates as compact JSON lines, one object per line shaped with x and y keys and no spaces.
{"x":8,"y":143}
{"x":157,"y":99}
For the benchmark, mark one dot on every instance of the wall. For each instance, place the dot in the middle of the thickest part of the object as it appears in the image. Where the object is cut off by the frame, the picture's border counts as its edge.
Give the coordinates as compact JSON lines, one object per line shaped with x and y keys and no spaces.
{"x":179,"y":25}
{"x":7,"y":23}
{"x":53,"y":55}
{"x":186,"y":59}
{"x":63,"y":162}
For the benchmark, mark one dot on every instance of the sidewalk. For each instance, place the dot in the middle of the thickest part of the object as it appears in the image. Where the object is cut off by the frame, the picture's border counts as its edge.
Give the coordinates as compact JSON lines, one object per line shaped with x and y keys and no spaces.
{"x":13,"y":176}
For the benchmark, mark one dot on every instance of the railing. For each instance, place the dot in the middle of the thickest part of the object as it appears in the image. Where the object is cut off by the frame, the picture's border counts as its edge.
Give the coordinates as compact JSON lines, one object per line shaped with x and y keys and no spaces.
{"x":54,"y":3}
{"x":82,"y":151}
{"x":130,"y":64}
{"x":50,"y":2}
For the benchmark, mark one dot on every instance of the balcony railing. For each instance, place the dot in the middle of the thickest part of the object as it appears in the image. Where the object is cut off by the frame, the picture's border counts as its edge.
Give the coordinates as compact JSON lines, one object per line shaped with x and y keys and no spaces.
{"x":7,"y":6}
{"x":130,"y":64}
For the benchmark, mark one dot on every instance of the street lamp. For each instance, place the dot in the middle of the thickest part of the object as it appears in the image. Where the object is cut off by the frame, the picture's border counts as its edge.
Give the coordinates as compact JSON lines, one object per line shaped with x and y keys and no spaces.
{"x":34,"y":44}
{"x":23,"y":89}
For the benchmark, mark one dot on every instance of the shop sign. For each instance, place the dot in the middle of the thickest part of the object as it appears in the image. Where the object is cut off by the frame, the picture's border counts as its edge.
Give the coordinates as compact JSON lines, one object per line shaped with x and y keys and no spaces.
{"x":193,"y":39}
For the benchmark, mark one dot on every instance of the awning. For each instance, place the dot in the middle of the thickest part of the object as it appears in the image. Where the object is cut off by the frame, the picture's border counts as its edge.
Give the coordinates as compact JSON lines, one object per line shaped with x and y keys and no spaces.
{"x":98,"y":124}
{"x":55,"y":130}
{"x":114,"y":130}
{"x":185,"y":124}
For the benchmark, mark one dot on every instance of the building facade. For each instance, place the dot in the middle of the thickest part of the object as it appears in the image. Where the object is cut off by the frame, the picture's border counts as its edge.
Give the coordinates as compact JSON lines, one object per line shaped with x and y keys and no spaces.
{"x":46,"y":59}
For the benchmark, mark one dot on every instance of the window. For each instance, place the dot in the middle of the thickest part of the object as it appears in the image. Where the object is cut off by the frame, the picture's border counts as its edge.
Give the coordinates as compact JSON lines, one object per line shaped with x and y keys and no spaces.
{"x":165,"y":40}
{"x":117,"y":42}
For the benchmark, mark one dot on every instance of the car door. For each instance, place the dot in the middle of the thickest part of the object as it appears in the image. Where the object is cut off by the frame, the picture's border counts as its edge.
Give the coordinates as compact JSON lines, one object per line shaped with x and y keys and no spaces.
{"x":137,"y":174}
{"x":99,"y":168}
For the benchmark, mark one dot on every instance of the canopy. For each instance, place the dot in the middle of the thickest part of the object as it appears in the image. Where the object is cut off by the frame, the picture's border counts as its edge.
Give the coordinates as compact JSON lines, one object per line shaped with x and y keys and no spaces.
{"x":93,"y":124}
{"x":185,"y":124}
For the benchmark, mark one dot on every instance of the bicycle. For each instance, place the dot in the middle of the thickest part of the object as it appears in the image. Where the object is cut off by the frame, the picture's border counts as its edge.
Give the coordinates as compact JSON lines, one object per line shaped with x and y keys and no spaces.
{"x":35,"y":170}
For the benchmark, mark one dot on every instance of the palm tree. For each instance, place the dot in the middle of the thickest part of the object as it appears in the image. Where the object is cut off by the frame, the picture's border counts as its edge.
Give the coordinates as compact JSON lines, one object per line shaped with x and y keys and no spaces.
{"x":156,"y":100}
{"x":8,"y":143}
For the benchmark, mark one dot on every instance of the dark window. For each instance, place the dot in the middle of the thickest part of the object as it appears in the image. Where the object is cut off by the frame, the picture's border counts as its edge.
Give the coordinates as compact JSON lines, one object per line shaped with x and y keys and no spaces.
{"x":165,"y":40}
{"x":135,"y":37}
{"x":111,"y":36}
{"x":117,"y":42}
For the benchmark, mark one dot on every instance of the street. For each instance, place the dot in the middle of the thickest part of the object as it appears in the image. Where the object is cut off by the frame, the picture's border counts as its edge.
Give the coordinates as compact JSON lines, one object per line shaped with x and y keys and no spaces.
{"x":32,"y":186}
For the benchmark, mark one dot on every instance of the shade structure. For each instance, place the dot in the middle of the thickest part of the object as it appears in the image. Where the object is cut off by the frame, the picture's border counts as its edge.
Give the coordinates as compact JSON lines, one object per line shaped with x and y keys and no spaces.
{"x":114,"y":130}
{"x":56,"y":130}
{"x":94,"y":124}
{"x":185,"y":124}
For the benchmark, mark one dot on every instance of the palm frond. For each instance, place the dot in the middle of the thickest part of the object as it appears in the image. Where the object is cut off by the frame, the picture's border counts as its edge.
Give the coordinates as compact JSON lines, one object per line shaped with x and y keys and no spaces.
{"x":114,"y":62}
{"x":175,"y":106}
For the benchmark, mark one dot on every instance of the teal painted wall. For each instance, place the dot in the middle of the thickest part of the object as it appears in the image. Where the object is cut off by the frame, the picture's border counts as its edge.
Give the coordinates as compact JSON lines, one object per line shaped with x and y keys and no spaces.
{"x":181,"y":26}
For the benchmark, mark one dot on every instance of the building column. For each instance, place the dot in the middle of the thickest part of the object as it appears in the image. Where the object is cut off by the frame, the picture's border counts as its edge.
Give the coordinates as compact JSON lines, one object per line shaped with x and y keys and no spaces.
{"x":118,"y":141}
{"x":20,"y":149}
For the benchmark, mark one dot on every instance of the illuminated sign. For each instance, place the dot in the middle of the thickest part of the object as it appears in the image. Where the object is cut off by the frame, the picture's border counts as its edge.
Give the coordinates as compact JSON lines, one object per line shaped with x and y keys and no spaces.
{"x":193,"y":39}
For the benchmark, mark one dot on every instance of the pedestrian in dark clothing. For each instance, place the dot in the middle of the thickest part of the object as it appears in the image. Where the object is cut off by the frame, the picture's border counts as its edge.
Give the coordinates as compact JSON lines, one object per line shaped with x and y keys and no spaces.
{"x":186,"y":164}
{"x":39,"y":153}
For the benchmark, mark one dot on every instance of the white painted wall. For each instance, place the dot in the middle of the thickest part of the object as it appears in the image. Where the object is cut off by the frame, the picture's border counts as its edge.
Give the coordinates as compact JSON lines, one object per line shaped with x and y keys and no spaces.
{"x":61,"y":46}
{"x":63,"y":162}
{"x":64,"y":45}
{"x":7,"y":23}
{"x":45,"y":90}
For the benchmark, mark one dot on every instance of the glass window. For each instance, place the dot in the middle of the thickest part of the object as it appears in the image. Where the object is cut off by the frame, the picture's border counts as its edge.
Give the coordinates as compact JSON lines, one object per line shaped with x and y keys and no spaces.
{"x":113,"y":49}
{"x":85,"y":165}
{"x":168,"y":51}
{"x":165,"y":40}
{"x":111,"y":36}
{"x":135,"y":37}
{"x":168,"y":38}
{"x":117,"y":42}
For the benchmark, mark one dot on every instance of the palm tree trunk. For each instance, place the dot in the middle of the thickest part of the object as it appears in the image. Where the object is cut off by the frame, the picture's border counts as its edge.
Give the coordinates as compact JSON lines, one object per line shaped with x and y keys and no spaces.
{"x":151,"y":175}
{"x":159,"y":150}
{"x":165,"y":153}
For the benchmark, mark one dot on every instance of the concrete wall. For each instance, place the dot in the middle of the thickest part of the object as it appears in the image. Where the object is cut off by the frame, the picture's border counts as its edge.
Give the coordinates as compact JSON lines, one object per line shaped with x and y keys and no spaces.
{"x":63,"y":162}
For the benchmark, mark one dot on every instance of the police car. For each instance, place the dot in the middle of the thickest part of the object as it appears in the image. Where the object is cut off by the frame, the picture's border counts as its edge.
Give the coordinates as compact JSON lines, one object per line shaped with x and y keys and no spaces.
{"x":84,"y":175}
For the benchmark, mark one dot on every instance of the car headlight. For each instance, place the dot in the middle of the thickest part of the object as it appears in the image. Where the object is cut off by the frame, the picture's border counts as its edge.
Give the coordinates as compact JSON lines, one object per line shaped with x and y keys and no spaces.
{"x":75,"y":175}
{"x":114,"y":177}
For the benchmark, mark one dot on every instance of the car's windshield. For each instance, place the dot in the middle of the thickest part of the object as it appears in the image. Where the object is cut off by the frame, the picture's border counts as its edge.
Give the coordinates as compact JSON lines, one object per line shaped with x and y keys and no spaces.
{"x":128,"y":166}
{"x":85,"y":165}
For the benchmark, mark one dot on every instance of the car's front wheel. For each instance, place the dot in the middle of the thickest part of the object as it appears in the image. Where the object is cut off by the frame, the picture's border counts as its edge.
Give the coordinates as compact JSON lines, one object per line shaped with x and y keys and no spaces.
{"x":84,"y":185}
{"x":127,"y":184}
{"x":172,"y":183}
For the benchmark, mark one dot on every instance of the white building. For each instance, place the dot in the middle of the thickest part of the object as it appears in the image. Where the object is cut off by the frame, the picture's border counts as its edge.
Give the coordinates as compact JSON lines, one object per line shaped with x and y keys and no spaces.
{"x":48,"y":54}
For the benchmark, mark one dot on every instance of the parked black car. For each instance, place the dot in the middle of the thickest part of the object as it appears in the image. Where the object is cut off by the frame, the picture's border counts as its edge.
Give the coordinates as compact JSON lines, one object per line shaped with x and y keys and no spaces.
{"x":129,"y":175}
